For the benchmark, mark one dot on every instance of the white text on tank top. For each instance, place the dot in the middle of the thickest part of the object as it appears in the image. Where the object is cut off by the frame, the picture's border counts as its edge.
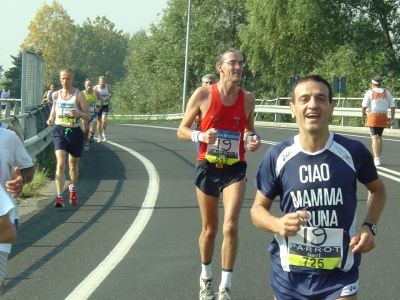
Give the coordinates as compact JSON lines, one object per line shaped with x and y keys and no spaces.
{"x":103,"y":92}
{"x":62,"y":110}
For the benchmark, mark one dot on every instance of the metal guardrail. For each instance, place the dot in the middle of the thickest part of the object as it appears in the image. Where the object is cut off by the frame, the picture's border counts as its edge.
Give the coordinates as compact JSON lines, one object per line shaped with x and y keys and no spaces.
{"x":32,"y":126}
{"x":177,"y":116}
{"x":341,"y":109}
{"x":36,"y":134}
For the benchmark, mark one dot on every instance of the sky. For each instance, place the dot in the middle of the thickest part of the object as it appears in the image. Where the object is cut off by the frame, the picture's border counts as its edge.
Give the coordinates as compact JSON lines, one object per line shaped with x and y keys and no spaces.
{"x":128,"y":15}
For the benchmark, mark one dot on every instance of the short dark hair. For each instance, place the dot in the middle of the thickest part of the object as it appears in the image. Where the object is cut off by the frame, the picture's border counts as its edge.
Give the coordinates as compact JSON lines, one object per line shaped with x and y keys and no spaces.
{"x":316,"y":78}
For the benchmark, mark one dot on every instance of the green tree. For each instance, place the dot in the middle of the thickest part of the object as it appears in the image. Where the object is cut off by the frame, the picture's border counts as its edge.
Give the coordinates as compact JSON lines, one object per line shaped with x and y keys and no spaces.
{"x":51,"y":33}
{"x":383,"y":18}
{"x":13,"y":75}
{"x":289,"y":37}
{"x":100,"y":49}
{"x":156,"y":59}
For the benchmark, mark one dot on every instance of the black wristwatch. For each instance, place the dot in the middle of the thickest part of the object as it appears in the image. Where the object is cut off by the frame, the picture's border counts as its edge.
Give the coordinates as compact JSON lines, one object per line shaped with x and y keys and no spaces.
{"x":372,"y":227}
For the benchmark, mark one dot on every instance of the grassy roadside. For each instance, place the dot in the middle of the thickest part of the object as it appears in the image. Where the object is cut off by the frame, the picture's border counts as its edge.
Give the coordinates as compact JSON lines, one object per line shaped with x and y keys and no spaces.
{"x":42,"y":176}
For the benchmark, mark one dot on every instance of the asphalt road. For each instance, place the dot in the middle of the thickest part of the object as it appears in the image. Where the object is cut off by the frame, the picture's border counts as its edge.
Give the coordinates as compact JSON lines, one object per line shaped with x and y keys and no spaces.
{"x":134,"y":233}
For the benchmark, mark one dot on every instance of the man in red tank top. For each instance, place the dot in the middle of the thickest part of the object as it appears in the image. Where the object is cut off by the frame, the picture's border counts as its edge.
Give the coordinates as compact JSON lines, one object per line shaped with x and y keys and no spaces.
{"x":225,"y":122}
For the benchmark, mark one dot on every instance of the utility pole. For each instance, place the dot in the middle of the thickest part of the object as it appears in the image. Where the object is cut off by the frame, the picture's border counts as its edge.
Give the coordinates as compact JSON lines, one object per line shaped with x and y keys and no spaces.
{"x":186,"y":58}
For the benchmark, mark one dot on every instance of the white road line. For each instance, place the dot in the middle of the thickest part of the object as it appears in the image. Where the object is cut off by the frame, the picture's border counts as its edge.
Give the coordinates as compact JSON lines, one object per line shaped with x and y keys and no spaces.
{"x":388,"y":170}
{"x":389,"y":176}
{"x":94,"y":279}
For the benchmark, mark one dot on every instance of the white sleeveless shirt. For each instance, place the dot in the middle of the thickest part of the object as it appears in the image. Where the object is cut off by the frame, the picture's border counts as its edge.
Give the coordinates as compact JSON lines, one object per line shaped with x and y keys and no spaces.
{"x":103,"y":92}
{"x":63,"y":107}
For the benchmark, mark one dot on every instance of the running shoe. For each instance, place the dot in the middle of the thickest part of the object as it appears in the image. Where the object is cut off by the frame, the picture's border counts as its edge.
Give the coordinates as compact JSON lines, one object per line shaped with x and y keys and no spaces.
{"x":59,"y":202}
{"x":206,"y":292}
{"x":91,"y":138}
{"x":377,"y":161}
{"x":86,"y":149}
{"x":225,"y":294}
{"x":73,"y":198}
{"x":99,"y":139}
{"x":104,"y":138}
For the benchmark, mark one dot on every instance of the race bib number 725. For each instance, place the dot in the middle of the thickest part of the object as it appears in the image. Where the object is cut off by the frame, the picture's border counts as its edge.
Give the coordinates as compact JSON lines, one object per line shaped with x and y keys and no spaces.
{"x":317,"y":248}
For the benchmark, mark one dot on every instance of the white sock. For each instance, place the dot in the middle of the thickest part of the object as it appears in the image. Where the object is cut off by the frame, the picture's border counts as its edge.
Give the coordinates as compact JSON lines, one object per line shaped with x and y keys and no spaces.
{"x":226,"y":280}
{"x":206,"y":273}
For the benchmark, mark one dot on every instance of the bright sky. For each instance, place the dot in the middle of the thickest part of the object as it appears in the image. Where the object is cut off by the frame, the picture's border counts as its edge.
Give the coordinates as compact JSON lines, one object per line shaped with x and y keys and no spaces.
{"x":127,"y":15}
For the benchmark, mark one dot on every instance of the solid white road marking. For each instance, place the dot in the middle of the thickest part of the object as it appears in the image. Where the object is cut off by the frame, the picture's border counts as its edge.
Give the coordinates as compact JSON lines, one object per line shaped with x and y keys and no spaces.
{"x":94,"y":279}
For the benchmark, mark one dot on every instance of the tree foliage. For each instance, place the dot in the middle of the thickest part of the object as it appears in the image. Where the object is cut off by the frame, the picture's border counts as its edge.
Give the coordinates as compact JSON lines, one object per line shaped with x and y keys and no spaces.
{"x":156,"y":60}
{"x":13,"y":75}
{"x":51,"y":33}
{"x":100,"y":49}
{"x":356,"y":39}
{"x":94,"y":49}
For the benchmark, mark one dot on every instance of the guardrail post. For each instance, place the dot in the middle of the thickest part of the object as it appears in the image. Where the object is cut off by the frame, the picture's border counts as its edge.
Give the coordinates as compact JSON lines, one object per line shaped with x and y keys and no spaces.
{"x":30,"y":124}
{"x":7,"y":110}
{"x":17,"y":124}
{"x":258,"y":115}
{"x":396,"y":122}
{"x":278,"y":117}
{"x":345,"y":120}
{"x":41,"y":118}
{"x":17,"y":106}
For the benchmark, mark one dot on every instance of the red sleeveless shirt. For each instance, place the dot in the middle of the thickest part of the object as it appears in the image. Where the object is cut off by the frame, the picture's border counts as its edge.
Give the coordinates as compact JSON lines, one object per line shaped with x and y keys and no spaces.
{"x":225,"y":119}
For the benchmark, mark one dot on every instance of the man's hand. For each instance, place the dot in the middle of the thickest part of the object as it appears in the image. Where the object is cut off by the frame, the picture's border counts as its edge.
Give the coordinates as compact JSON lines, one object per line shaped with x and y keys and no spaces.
{"x":210,"y":136}
{"x":363,"y":241}
{"x":16,"y":184}
{"x":291,"y":223}
{"x":254,"y":143}
{"x":75,"y":113}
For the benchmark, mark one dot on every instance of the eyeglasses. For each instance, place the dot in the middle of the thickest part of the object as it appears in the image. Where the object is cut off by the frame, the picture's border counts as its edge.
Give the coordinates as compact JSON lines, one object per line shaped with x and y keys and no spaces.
{"x":235,"y":63}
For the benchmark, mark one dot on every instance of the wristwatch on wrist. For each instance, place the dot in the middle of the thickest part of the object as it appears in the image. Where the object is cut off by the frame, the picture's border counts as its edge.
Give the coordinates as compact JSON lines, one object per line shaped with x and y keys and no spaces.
{"x":372,"y":227}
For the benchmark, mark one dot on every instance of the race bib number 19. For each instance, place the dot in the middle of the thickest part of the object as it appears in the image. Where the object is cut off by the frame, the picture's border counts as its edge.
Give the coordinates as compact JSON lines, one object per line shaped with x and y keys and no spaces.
{"x":226,"y":148}
{"x":317,"y":248}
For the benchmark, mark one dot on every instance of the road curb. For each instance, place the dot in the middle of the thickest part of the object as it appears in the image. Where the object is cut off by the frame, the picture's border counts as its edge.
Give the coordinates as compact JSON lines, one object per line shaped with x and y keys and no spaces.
{"x":30,"y":205}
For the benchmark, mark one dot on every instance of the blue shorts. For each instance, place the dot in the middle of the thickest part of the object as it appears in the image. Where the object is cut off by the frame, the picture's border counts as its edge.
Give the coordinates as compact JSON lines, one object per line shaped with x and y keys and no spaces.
{"x":376,"y":131}
{"x":68,"y":139}
{"x":92,"y":117}
{"x":211,"y":180}
{"x":103,"y":111}
{"x":301,"y":286}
